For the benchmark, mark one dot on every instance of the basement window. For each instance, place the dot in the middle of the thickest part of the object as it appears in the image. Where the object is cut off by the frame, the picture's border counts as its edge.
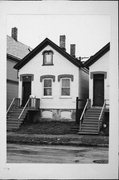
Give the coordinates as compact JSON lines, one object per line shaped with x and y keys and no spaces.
{"x":48,"y":57}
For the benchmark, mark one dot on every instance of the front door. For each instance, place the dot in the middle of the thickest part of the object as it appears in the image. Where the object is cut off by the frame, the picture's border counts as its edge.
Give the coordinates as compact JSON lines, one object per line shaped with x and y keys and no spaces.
{"x":98,"y":89}
{"x":26,"y":86}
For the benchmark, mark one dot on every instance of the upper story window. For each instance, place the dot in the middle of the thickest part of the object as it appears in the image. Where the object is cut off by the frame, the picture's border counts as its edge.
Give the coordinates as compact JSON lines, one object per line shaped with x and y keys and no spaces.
{"x":47,"y":87}
{"x":65,"y":87}
{"x":48,"y":57}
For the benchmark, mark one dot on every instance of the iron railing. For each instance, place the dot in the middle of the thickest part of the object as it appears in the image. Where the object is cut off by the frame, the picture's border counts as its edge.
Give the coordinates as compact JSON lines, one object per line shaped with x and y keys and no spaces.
{"x":32,"y":103}
{"x":84,"y":110}
{"x":101,"y":113}
{"x":14,"y":102}
{"x":24,"y":108}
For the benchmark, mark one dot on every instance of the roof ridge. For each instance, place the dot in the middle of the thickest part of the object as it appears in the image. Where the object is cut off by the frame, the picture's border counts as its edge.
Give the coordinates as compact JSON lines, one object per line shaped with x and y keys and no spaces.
{"x":97,"y":55}
{"x":39,"y":48}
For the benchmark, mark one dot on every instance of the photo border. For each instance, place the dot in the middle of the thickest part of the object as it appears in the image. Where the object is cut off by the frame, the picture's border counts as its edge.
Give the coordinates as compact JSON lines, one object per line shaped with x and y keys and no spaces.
{"x":62,"y":171}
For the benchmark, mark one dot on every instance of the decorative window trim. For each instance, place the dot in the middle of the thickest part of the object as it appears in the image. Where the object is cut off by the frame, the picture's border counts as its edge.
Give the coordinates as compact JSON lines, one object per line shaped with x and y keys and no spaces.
{"x":22,"y":76}
{"x":48,"y":52}
{"x":47,"y":76}
{"x":98,"y":72}
{"x":66,"y":76}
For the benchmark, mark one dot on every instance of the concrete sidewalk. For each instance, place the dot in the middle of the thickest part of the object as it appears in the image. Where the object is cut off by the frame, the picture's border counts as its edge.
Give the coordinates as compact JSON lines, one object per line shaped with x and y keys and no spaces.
{"x":68,"y":139}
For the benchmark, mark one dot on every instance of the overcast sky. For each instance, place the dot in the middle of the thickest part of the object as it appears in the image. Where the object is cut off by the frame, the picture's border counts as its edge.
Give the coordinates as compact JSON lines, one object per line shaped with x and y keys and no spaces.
{"x":89,"y":32}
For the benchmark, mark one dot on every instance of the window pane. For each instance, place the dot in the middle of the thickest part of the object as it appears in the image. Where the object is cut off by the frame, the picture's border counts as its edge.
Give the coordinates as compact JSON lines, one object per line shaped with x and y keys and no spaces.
{"x":47,"y":83}
{"x":48,"y":59}
{"x":47,"y":91}
{"x":65,"y":92}
{"x":65,"y":83}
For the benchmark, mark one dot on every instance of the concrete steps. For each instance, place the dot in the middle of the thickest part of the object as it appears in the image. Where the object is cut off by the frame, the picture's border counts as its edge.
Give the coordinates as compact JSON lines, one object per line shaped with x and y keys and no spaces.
{"x":90,"y":121}
{"x":12,"y":118}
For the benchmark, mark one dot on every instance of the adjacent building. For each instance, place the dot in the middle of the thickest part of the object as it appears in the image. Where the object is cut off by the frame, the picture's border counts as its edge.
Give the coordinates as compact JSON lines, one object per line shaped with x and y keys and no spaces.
{"x":98,"y":65}
{"x":95,"y":118}
{"x":15,"y":52}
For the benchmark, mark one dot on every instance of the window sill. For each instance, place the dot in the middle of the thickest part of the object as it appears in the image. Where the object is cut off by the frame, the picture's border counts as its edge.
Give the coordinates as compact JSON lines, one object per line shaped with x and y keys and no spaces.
{"x":47,"y":97}
{"x":47,"y":64}
{"x":65,"y":97}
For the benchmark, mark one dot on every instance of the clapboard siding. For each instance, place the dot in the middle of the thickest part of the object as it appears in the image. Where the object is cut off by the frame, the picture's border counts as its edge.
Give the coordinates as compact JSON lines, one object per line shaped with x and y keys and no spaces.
{"x":11,"y":72}
{"x":12,"y":91}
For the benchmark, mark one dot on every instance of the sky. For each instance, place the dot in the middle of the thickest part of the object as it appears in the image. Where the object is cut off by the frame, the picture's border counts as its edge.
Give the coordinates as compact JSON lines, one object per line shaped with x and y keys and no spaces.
{"x":89,"y":32}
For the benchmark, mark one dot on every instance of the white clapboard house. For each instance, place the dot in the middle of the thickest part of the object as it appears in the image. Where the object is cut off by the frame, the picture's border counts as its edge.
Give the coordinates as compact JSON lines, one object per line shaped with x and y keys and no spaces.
{"x":50,"y":79}
{"x":96,"y":112}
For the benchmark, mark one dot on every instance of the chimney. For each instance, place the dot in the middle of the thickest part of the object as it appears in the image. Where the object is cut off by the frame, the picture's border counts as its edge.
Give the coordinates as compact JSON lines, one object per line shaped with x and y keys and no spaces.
{"x":14,"y":33}
{"x":62,"y":42}
{"x":72,"y":49}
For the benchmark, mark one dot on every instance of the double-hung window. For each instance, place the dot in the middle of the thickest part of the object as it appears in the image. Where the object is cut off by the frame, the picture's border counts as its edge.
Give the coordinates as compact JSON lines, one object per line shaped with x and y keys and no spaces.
{"x":47,"y":87}
{"x":65,"y":87}
{"x":48,"y":57}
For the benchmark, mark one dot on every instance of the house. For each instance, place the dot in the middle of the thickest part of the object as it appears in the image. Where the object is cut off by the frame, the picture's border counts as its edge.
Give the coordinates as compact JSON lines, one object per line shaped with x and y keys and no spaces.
{"x":53,"y":76}
{"x":99,"y":76}
{"x":97,"y":110}
{"x":15,"y":52}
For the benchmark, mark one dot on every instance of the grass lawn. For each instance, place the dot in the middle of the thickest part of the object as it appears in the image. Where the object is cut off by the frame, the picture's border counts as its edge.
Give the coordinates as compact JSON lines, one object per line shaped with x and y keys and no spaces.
{"x":49,"y":128}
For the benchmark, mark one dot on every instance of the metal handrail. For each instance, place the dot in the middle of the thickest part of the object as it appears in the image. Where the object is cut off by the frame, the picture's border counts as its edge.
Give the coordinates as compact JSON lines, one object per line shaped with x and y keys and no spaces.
{"x":24,"y":108}
{"x":11,"y":104}
{"x":83,"y":112}
{"x":101,"y":114}
{"x":102,"y":110}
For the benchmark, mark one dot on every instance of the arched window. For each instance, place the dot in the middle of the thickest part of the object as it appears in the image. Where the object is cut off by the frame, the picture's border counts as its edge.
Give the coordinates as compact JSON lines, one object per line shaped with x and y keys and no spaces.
{"x":48,"y":57}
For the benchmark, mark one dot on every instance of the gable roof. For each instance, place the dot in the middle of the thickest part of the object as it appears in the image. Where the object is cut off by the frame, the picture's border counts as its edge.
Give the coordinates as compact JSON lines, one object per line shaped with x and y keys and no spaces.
{"x":97,"y":55}
{"x":16,"y":50}
{"x":40,"y":47}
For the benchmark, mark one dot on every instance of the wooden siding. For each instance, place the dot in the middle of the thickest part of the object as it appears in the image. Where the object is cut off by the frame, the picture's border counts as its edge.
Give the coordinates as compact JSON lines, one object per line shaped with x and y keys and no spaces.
{"x":11,"y":72}
{"x":12,"y":91}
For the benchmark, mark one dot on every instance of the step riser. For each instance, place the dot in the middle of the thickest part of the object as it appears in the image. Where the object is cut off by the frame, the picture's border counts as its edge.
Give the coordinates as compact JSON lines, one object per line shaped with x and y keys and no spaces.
{"x":15,"y":122}
{"x":88,"y":132}
{"x":89,"y":129}
{"x":95,"y":115}
{"x":87,"y":125}
{"x":91,"y":117}
{"x":90,"y":120}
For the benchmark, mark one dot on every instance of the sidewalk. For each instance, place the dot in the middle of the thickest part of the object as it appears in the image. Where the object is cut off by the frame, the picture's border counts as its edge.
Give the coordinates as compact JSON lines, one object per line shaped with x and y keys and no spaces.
{"x":68,"y":139}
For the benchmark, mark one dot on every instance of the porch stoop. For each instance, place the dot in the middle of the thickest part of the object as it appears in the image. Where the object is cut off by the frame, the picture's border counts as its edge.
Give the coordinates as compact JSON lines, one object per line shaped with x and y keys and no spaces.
{"x":16,"y":113}
{"x":12,"y":118}
{"x":90,"y":124}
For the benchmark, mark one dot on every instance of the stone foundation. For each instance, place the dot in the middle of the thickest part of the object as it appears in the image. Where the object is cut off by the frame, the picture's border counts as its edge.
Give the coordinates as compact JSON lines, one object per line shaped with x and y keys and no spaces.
{"x":58,"y":114}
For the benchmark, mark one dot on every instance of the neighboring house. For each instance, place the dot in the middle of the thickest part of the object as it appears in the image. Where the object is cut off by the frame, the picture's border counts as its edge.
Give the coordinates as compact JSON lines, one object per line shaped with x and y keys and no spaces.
{"x":96,"y":113}
{"x":49,"y":73}
{"x":99,"y":76}
{"x":15,"y":52}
